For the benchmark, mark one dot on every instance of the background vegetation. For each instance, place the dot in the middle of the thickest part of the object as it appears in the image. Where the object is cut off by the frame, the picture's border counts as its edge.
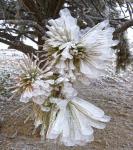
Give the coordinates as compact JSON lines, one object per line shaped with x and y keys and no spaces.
{"x":26,"y":19}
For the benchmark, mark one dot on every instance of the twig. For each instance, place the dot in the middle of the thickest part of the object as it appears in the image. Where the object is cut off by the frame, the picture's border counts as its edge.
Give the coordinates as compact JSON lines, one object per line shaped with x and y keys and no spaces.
{"x":96,"y":8}
{"x":21,"y":109}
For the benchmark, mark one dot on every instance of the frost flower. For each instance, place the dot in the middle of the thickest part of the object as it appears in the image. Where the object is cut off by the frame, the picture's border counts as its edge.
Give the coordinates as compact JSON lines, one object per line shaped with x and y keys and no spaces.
{"x":77,"y":51}
{"x":58,"y":110}
{"x":75,"y":118}
{"x":74,"y":122}
{"x":34,"y":84}
{"x":38,"y":92}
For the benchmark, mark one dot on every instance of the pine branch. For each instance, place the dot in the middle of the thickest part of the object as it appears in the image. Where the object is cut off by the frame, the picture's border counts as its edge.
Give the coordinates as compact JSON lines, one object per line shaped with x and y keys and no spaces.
{"x":7,"y":36}
{"x":124,"y":27}
{"x":28,"y":23}
{"x":31,"y":6}
{"x":26,"y":49}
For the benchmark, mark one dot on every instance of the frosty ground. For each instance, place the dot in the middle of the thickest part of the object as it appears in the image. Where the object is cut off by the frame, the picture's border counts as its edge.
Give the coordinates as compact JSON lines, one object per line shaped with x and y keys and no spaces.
{"x":113,"y":94}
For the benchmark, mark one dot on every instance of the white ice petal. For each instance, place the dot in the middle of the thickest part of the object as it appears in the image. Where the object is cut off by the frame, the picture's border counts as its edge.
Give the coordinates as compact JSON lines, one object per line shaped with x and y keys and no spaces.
{"x":61,"y":103}
{"x":45,"y":109}
{"x":71,"y":65}
{"x":86,"y":129}
{"x":56,"y":128}
{"x":39,"y":100}
{"x":50,"y":81}
{"x":89,"y":108}
{"x":92,"y":70}
{"x":98,"y":49}
{"x":61,"y":64}
{"x":37,"y":122}
{"x":68,"y":90}
{"x":26,"y":96}
{"x":66,"y":54}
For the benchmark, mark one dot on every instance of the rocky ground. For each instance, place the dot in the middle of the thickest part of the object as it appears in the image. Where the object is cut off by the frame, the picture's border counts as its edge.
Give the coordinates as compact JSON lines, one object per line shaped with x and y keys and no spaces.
{"x":114,"y":95}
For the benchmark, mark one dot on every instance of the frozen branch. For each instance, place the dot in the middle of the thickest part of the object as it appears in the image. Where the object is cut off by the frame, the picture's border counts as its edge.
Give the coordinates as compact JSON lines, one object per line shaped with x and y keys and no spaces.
{"x":124,"y":27}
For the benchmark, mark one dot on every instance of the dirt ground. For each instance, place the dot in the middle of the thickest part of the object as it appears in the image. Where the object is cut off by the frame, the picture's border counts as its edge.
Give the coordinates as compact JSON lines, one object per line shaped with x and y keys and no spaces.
{"x":115,"y":97}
